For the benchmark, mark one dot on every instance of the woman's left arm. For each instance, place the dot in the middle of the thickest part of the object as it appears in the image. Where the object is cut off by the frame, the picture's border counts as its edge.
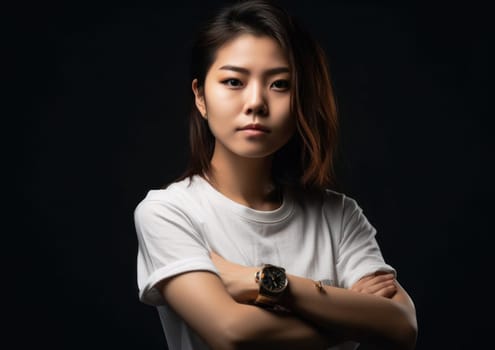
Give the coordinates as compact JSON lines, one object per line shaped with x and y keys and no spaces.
{"x":375,"y":316}
{"x":387,"y":322}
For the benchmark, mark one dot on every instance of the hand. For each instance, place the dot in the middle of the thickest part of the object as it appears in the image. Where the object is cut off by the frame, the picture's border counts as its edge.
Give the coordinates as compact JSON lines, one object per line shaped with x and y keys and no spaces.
{"x":379,"y":284}
{"x":238,"y":279}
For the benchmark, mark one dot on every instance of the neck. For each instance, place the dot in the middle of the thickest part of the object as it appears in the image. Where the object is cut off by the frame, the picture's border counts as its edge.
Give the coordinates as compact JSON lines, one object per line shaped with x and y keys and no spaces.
{"x":246,"y":181}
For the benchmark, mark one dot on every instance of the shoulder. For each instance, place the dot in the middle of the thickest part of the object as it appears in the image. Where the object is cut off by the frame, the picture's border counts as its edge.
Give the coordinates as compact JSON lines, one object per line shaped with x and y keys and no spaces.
{"x":176,"y":197}
{"x":338,"y":210}
{"x":329,"y":201}
{"x":340,"y":201}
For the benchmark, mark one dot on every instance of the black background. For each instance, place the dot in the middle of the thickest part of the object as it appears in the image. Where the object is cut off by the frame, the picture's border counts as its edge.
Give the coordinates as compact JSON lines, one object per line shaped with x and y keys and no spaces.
{"x":104,"y":97}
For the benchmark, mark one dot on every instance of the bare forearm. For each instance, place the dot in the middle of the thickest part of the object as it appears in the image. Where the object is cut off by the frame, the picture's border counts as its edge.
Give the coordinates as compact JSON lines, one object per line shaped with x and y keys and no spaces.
{"x":256,"y":328}
{"x":225,"y":324}
{"x":361,"y":317}
{"x":378,"y":311}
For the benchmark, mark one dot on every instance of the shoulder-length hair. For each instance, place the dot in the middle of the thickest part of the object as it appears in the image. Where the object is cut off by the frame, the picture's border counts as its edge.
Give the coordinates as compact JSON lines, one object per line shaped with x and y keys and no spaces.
{"x":307,"y":160}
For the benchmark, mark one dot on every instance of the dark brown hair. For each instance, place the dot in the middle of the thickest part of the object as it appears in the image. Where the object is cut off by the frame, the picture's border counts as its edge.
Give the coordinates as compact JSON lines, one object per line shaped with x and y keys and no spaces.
{"x":312,"y":101}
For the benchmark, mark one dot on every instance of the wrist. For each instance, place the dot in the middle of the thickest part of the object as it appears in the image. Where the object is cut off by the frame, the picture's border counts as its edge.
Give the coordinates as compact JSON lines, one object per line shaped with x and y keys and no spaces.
{"x":248,"y":286}
{"x":272,"y":282}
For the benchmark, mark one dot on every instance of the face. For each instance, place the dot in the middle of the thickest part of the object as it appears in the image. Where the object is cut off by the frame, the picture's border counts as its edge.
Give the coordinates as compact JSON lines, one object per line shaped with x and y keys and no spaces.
{"x":246,"y":98}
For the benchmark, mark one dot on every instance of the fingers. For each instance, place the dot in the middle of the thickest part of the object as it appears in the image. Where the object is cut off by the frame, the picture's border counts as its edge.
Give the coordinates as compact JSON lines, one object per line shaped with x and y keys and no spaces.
{"x":371,"y":280}
{"x":377,"y":284}
{"x":387,"y":292}
{"x":385,"y":288}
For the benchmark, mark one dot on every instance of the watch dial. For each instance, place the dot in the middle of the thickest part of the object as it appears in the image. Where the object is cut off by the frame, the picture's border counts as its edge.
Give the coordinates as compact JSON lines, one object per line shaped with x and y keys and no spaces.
{"x":273,"y":279}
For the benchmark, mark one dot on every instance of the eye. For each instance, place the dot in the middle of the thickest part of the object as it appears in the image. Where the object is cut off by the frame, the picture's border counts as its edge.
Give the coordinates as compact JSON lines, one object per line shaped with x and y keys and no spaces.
{"x":281,"y":85}
{"x":232,"y":82}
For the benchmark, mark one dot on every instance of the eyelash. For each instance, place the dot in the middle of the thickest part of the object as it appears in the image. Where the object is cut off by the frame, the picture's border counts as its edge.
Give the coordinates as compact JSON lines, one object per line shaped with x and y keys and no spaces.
{"x":230,"y":80}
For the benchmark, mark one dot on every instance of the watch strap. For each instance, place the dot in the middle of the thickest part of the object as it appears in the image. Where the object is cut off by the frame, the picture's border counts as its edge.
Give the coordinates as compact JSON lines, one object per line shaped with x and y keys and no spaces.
{"x":263,"y":299}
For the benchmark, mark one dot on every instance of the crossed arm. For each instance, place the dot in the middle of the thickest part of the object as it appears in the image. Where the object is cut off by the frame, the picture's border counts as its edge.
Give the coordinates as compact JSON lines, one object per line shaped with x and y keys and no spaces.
{"x":375,"y":310}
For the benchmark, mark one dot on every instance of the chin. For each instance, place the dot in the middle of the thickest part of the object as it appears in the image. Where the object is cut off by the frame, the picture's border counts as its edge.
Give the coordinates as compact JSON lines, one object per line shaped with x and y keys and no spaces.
{"x":256,"y":154}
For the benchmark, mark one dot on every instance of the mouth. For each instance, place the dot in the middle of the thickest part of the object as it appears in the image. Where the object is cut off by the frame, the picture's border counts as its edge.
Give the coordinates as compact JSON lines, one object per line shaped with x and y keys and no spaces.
{"x":255,"y":127}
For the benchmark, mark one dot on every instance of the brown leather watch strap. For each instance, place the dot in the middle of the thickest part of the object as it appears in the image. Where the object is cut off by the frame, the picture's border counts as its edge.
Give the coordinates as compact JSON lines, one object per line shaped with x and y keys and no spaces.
{"x":265,"y":300}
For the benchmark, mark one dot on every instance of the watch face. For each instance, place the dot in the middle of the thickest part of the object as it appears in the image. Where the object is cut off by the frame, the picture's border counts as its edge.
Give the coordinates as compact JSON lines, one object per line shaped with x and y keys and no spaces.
{"x":273,"y":279}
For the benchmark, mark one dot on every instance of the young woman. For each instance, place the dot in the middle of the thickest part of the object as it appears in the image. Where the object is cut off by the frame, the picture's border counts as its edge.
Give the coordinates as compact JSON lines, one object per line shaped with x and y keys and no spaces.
{"x":250,"y":248}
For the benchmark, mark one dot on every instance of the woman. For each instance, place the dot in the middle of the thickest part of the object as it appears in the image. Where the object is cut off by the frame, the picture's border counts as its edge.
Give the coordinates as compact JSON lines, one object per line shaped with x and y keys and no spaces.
{"x":250,"y":248}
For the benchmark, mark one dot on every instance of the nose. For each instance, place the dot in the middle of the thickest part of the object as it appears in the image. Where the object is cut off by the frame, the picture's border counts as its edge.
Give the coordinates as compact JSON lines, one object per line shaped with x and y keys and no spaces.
{"x":256,"y":104}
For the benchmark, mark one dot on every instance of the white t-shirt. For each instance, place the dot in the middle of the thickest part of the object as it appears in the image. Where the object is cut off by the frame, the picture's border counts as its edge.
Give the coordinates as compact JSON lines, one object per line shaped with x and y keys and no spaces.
{"x":322,"y":238}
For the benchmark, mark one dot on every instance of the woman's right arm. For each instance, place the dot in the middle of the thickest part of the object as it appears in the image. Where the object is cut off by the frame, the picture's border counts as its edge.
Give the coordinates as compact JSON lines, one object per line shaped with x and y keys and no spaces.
{"x":201,"y":299}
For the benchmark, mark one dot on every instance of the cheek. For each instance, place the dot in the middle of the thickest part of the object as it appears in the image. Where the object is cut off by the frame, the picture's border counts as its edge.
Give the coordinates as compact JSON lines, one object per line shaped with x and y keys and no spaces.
{"x":281,"y":112}
{"x":221,"y":103}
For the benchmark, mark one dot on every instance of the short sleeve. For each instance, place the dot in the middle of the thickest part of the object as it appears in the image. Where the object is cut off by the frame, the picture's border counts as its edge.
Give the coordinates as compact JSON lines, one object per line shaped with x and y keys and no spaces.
{"x":168,"y":244}
{"x":358,"y":252}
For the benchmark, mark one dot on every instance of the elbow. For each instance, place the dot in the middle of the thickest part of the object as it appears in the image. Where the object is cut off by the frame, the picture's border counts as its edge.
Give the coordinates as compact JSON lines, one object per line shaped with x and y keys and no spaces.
{"x":232,"y":330}
{"x":406,"y":339}
{"x":402,"y":335}
{"x":410,"y":335}
{"x":234,"y":336}
{"x":403,"y":338}
{"x":227,"y":341}
{"x":410,"y":330}
{"x":405,"y":330}
{"x":223,"y":340}
{"x":230,"y":335}
{"x":238,"y":336}
{"x":406,"y":335}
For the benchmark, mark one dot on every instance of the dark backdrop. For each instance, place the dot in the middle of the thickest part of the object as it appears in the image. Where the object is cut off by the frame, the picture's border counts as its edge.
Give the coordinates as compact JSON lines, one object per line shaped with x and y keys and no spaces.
{"x":104,"y":102}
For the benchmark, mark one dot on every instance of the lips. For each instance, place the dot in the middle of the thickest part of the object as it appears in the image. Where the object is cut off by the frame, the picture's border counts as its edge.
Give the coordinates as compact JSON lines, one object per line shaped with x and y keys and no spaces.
{"x":257,"y":127}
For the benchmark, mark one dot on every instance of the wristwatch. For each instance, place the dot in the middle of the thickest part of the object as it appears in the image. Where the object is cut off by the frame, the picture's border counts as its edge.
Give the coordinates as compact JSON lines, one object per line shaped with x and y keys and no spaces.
{"x":272,"y":282}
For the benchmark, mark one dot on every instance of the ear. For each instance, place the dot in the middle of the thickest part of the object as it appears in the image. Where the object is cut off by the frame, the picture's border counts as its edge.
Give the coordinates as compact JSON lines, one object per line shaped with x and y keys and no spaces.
{"x":199,"y":98}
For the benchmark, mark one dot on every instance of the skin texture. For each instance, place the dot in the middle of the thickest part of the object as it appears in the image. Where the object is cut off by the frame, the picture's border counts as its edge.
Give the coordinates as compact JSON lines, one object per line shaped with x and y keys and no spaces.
{"x":376,"y":309}
{"x":238,"y":281}
{"x":248,"y":83}
{"x":379,"y":284}
{"x":378,"y":295}
{"x":225,"y":324}
{"x":232,"y":99}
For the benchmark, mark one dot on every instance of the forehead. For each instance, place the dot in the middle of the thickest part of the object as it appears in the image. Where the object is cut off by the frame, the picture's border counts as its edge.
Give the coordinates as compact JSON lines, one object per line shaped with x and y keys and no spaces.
{"x":251,"y":52}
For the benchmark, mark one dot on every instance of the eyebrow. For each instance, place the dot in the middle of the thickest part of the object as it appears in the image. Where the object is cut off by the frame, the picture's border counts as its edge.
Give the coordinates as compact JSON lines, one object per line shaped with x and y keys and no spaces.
{"x":271,"y":71}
